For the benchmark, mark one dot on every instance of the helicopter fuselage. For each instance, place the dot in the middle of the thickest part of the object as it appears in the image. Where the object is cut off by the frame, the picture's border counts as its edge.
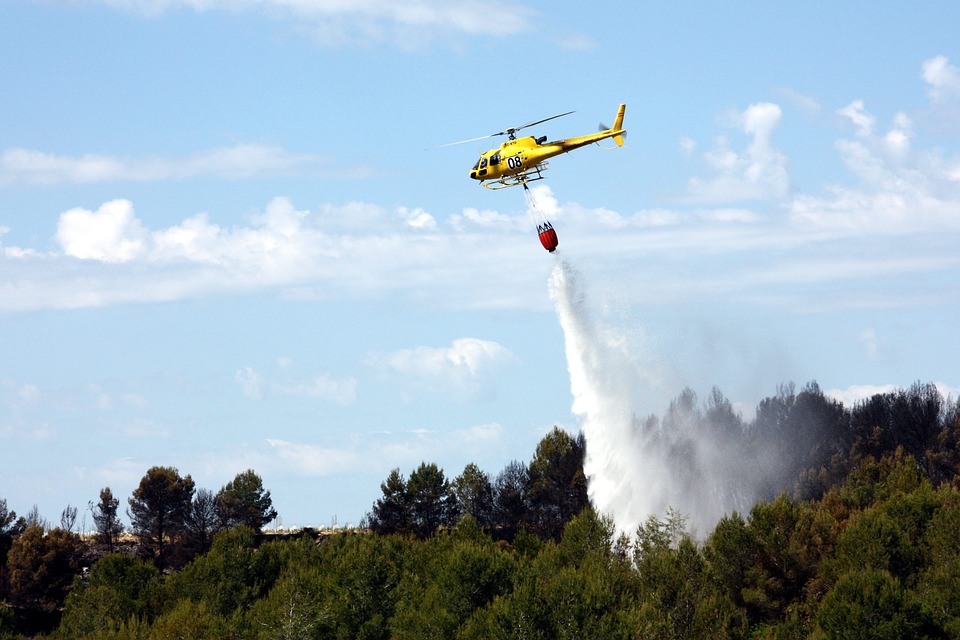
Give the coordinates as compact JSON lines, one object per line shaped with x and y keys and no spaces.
{"x":515,"y":159}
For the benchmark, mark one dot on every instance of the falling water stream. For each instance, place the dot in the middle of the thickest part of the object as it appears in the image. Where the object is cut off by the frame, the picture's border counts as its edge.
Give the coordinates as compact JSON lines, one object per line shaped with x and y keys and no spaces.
{"x":637,"y":468}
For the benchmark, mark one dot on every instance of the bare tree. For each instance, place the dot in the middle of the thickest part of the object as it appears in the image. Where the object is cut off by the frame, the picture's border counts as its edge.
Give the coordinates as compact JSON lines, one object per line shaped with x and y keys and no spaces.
{"x":202,"y":521}
{"x":34,"y":519}
{"x":68,"y":517}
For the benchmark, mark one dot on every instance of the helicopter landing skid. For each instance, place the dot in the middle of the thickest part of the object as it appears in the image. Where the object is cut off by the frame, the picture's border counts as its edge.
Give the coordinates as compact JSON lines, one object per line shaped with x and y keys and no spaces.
{"x":532,"y":174}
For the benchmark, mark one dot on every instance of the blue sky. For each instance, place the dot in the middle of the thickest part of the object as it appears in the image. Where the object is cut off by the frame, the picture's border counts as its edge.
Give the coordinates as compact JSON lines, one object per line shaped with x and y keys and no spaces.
{"x":223,"y":244}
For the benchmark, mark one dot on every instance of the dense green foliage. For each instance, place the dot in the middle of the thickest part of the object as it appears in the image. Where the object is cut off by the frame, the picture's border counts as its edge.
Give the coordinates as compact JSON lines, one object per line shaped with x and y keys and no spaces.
{"x":540,"y":497}
{"x":864,"y":546}
{"x":158,"y":510}
{"x":838,"y":567}
{"x":244,"y":501}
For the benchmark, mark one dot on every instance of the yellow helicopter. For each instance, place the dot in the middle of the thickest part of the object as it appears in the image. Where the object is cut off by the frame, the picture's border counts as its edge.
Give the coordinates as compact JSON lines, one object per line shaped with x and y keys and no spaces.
{"x":521,"y":160}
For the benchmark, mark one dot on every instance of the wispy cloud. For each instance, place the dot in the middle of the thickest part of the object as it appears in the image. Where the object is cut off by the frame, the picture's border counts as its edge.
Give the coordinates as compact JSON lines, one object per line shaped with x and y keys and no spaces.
{"x":577,"y":42}
{"x":466,"y":367}
{"x":759,"y":171}
{"x":894,"y":215}
{"x":315,"y":460}
{"x":255,"y":385}
{"x":242,"y":161}
{"x":898,"y":189}
{"x":805,"y":104}
{"x":860,"y":392}
{"x":465,"y":357}
{"x":109,"y":256}
{"x":335,"y":23}
{"x":942,"y":77}
{"x":377,"y":453}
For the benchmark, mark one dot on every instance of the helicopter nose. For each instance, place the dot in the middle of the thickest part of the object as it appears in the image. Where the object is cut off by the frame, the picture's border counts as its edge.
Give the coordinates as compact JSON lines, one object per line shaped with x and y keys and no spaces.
{"x":473,"y":174}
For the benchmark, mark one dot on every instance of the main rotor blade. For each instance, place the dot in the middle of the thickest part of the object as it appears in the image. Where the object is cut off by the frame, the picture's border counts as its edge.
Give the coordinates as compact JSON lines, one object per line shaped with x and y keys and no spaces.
{"x":450,"y":144}
{"x":530,"y":124}
{"x":505,"y":132}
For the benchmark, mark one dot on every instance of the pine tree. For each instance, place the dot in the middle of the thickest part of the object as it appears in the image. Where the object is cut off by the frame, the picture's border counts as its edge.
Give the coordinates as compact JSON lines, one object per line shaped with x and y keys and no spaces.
{"x":243,"y":501}
{"x":105,"y":518}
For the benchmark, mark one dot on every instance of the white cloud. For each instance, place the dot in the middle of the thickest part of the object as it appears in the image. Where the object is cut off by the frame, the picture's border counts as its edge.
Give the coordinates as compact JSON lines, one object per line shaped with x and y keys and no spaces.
{"x":349,"y":22}
{"x":341,"y":391}
{"x":352,"y":249}
{"x":898,"y":138}
{"x":896,"y":199}
{"x":900,"y":191}
{"x":417,"y":218}
{"x":109,"y":234}
{"x":314,"y":460}
{"x":26,"y":166}
{"x":466,"y":357}
{"x":28,"y":393}
{"x":465,"y":367}
{"x":855,"y":393}
{"x":378,"y":452}
{"x":859,"y":392}
{"x":857,"y":114}
{"x":250,"y":381}
{"x":758,"y":171}
{"x":540,"y":198}
{"x":943,"y":78}
{"x":272,"y":247}
{"x":947,"y":391}
{"x":254,"y":385}
{"x":116,"y":473}
{"x":487,"y":218}
{"x":480,"y":434}
{"x":807,"y":105}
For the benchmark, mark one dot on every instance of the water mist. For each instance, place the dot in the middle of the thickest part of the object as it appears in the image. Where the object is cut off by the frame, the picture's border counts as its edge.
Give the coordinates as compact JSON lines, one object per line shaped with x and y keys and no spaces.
{"x":641,"y":467}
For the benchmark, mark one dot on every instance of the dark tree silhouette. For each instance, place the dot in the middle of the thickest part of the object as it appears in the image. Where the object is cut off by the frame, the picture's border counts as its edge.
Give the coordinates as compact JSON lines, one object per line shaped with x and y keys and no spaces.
{"x":202,"y":522}
{"x":105,"y":518}
{"x":556,"y":484}
{"x":473,"y":495}
{"x":428,"y":493}
{"x":510,"y":506}
{"x":42,"y":566}
{"x":158,"y":509}
{"x":243,"y":501}
{"x":390,"y":514}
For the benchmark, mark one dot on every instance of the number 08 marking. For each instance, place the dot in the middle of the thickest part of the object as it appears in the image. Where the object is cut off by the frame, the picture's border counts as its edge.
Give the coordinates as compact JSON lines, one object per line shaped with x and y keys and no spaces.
{"x":514,"y":162}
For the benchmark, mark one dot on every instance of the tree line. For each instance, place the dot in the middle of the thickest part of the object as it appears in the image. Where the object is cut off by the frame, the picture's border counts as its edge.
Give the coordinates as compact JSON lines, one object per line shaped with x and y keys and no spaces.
{"x":172,"y":522}
{"x":539,"y":497}
{"x":859,"y":540}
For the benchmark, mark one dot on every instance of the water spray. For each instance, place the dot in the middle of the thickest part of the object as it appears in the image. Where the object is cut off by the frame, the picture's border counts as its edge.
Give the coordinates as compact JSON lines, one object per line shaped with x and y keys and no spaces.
{"x":637,"y":468}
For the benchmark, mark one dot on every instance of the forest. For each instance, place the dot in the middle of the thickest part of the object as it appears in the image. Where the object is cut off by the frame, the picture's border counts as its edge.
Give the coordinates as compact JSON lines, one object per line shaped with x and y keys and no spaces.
{"x":854,"y":536}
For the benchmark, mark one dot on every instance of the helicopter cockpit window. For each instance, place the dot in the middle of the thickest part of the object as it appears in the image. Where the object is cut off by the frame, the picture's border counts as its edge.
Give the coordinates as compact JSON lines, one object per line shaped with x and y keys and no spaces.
{"x":483,"y":162}
{"x":476,"y":166}
{"x":495,"y":159}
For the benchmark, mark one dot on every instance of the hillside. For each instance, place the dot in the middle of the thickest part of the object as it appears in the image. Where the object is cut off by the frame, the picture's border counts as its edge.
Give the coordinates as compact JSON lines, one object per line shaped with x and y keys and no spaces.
{"x":859,"y":540}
